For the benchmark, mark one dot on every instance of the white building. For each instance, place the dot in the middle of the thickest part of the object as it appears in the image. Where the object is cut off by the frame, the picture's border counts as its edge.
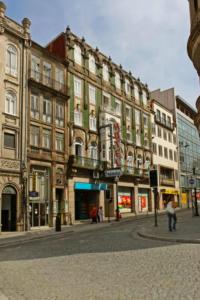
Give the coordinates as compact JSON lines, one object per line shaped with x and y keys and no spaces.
{"x":165,"y":160}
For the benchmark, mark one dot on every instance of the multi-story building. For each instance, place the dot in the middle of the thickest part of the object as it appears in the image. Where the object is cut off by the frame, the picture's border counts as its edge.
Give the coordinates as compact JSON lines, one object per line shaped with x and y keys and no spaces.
{"x":47,"y":151}
{"x":194,"y":45}
{"x":14,"y":47}
{"x":189,"y":149}
{"x":165,"y":160}
{"x":105,"y":102}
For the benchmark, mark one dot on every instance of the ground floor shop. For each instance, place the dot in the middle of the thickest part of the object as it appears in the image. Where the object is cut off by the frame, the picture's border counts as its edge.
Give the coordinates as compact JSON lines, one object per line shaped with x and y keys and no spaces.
{"x":165,"y":195}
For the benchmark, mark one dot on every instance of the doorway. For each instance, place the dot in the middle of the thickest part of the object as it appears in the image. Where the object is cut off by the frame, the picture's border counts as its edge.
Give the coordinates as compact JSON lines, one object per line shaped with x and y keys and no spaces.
{"x":8,"y":209}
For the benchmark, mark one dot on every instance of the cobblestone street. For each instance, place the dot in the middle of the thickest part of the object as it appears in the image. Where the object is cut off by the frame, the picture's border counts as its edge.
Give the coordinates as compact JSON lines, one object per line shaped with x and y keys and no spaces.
{"x":107,"y":263}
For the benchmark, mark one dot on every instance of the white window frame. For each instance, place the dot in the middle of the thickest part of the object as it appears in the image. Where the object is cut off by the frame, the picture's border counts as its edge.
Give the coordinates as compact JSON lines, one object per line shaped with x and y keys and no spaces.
{"x":107,"y":103}
{"x":34,"y":106}
{"x":77,"y":55}
{"x":93,"y":151}
{"x":78,"y":142}
{"x":77,"y":87}
{"x":59,"y":141}
{"x":34,"y":136}
{"x":59,"y":79}
{"x":78,"y":118}
{"x":92,"y":64}
{"x":46,"y":138}
{"x":11,"y":60}
{"x":127,"y":87}
{"x":47,"y":73}
{"x":93,"y":123}
{"x":92,"y":94}
{"x":47,"y":114}
{"x":117,"y":80}
{"x":11,"y":103}
{"x":59,"y":114}
{"x":118,"y":107}
{"x":105,"y":72}
{"x":35,"y":67}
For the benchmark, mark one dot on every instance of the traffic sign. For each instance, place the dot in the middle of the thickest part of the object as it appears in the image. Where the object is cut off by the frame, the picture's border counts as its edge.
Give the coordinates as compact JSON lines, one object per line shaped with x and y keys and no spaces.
{"x":113,"y":172}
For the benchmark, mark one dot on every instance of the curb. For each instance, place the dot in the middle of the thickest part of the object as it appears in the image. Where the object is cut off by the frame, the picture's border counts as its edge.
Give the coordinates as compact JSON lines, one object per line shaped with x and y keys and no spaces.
{"x":173,"y":240}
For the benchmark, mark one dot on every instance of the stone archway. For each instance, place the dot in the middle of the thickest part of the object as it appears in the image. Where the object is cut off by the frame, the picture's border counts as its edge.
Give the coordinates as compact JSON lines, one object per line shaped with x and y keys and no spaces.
{"x":9,"y":209}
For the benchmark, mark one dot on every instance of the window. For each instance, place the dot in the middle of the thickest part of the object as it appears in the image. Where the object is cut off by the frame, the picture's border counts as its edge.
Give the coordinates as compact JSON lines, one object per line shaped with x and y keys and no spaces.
{"x":146,"y":143}
{"x":168,"y":120}
{"x":174,"y":139}
{"x":47,"y":74}
{"x":175,"y":156}
{"x":78,"y":117}
{"x":147,"y":163}
{"x":47,"y":110}
{"x":46,"y":138}
{"x":117,"y":81}
{"x":130,"y":160}
{"x":34,"y":106}
{"x":93,"y":153}
{"x":9,"y":140}
{"x":92,"y":64}
{"x":59,"y":141}
{"x":11,"y":103}
{"x":139,"y":161}
{"x":154,"y":148}
{"x":127,"y":87}
{"x":93,"y":123}
{"x":77,"y":87}
{"x":78,"y":147}
{"x":136,"y":93}
{"x":92,"y":94}
{"x":77,"y":55}
{"x":159,"y":132}
{"x":145,"y":120}
{"x":34,"y":136}
{"x":169,"y":137}
{"x":35,"y":68}
{"x":137,"y":117}
{"x":160,"y":151}
{"x":144,"y":98}
{"x":165,"y":152}
{"x":128,"y":134}
{"x":59,"y":114}
{"x":164,"y":118}
{"x":106,"y":100}
{"x":164,"y":134}
{"x":153,"y":129}
{"x":128,"y":112}
{"x":117,"y":107}
{"x":158,"y":115}
{"x":59,"y":79}
{"x":11,"y":60}
{"x":138,"y":137}
{"x":170,"y":154}
{"x":105,"y":72}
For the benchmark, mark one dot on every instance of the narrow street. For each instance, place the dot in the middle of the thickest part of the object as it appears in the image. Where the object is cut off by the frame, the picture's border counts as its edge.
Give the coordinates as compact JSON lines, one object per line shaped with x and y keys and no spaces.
{"x":106,"y":263}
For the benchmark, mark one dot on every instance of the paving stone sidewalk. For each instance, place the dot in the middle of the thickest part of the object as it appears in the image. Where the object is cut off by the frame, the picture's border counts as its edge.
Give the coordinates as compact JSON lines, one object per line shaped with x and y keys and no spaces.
{"x":187,"y":231}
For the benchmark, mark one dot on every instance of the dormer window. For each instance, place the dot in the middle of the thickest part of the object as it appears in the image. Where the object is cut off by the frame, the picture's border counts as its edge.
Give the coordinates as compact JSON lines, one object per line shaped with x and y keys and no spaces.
{"x":92,"y":64}
{"x":105,"y":72}
{"x":117,"y":81}
{"x":127,"y":87}
{"x":77,"y":55}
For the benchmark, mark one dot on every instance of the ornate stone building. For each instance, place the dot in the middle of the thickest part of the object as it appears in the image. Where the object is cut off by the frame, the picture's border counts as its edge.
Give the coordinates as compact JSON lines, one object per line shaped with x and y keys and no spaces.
{"x":104,"y":99}
{"x":194,"y":44}
{"x":14,"y":47}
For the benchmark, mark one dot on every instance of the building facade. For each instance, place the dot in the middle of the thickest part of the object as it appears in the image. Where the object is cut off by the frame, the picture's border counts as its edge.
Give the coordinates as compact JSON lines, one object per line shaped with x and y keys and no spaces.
{"x":14,"y":47}
{"x":109,"y":127}
{"x":165,"y":158}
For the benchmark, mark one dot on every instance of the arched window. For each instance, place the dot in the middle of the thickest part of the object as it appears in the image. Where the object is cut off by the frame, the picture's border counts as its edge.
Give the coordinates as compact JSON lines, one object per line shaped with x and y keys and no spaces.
{"x":77,"y":55}
{"x":92,"y":64}
{"x":11,"y":60}
{"x":139,"y":161}
{"x":11,"y":103}
{"x":78,"y":147}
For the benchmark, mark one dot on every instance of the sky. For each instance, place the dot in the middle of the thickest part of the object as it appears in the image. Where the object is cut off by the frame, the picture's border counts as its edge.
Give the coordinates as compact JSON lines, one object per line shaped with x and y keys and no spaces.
{"x":148,"y":40}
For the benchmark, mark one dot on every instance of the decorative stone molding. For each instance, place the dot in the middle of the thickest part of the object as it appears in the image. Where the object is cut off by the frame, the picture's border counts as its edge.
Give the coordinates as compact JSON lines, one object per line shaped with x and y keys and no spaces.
{"x":6,"y":164}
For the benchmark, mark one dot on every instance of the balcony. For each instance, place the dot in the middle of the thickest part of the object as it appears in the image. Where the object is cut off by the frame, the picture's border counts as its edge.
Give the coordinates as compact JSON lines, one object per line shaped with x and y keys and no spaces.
{"x":167,"y":181}
{"x":164,"y":122}
{"x":47,"y":81}
{"x":133,"y":171}
{"x":86,"y":163}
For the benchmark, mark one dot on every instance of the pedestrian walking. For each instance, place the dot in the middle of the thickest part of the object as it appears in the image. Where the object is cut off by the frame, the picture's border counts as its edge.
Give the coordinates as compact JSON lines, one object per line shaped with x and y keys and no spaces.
{"x":171,"y":215}
{"x":100,"y":214}
{"x":93,"y":214}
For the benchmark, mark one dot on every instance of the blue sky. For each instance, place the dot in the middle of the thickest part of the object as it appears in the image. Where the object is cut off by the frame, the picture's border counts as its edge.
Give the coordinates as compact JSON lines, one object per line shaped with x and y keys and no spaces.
{"x":151,"y":41}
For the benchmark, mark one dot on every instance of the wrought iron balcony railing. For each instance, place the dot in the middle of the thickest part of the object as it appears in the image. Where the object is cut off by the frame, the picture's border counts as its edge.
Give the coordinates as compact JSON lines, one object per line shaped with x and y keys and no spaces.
{"x":87,"y":163}
{"x":164,"y":122}
{"x":47,"y":81}
{"x":133,"y":171}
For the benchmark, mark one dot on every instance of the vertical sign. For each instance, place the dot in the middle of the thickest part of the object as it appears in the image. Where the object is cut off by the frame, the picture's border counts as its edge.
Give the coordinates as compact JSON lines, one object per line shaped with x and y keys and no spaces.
{"x":117,"y":144}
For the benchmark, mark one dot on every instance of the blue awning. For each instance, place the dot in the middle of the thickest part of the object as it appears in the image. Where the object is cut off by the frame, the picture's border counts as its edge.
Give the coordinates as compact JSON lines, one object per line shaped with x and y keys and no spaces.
{"x":90,"y":186}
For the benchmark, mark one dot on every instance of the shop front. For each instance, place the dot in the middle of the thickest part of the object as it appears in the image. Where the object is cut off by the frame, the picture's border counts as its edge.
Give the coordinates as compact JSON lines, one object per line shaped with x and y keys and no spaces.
{"x":143,"y":200}
{"x":86,"y":196}
{"x":125,"y":199}
{"x":169,"y":195}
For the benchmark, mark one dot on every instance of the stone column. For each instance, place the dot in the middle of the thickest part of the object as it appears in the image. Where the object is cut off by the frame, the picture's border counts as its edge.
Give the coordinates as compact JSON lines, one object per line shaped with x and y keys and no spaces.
{"x":136,"y":200}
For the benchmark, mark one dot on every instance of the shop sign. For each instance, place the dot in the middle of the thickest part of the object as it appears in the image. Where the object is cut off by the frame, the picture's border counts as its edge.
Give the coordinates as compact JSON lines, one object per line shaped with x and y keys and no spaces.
{"x":113,"y":172}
